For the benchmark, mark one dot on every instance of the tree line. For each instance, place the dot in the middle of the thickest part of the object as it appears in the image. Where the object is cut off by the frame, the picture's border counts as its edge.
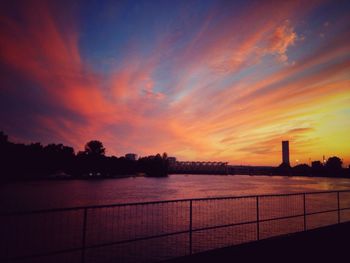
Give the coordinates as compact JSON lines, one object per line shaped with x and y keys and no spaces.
{"x":35,"y":161}
{"x":333,"y":167}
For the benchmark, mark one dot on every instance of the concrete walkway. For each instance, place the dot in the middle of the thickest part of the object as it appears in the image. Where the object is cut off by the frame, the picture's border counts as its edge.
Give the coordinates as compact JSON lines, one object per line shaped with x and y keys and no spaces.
{"x":327,"y":244}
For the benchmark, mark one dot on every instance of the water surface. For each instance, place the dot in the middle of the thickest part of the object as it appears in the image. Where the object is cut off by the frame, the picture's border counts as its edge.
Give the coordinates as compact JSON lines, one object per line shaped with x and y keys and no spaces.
{"x":68,"y":193}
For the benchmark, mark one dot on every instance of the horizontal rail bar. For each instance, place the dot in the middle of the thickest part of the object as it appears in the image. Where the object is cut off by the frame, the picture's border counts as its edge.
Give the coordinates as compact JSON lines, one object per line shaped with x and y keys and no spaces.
{"x":300,"y":215}
{"x":222,"y":226}
{"x":280,"y":218}
{"x":12,"y":213}
{"x":322,"y":212}
{"x":136,"y":239}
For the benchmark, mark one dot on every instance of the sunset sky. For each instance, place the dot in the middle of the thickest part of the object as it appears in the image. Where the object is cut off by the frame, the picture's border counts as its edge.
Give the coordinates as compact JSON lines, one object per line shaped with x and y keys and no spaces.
{"x":200,"y":80}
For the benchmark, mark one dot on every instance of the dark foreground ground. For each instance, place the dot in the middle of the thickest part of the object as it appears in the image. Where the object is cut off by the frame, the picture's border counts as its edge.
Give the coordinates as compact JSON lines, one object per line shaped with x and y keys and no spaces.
{"x":327,"y":244}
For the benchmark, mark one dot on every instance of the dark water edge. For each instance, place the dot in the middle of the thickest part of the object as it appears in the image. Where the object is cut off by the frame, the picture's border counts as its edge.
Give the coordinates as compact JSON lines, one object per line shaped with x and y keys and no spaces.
{"x":345,"y":175}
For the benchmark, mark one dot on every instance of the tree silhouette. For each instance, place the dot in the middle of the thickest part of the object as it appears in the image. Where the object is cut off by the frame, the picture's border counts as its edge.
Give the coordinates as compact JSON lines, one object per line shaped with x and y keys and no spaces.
{"x":95,"y":148}
{"x":317,"y":168}
{"x":3,"y":138}
{"x":35,"y":161}
{"x":317,"y":165}
{"x":301,"y":169}
{"x":58,"y":157}
{"x":334,"y":163}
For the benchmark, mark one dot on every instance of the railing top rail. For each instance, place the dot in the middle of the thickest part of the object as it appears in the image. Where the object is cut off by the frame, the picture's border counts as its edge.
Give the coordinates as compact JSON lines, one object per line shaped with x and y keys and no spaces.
{"x":14,"y":213}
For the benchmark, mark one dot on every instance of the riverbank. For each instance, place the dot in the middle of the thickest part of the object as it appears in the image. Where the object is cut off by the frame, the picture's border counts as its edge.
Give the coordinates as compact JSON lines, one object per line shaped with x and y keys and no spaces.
{"x":326,"y":244}
{"x":67,"y":177}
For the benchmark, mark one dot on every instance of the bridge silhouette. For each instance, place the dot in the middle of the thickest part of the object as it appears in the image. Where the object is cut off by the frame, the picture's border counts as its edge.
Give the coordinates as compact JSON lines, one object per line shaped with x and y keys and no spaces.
{"x":199,"y":167}
{"x":179,"y":167}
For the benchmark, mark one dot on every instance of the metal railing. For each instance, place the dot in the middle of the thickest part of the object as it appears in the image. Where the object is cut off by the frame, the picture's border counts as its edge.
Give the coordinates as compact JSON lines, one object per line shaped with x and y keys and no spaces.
{"x":155,"y":231}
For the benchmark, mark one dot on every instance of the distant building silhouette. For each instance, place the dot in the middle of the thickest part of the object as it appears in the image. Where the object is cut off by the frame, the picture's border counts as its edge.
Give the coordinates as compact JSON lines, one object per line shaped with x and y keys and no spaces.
{"x":172,"y":160}
{"x":285,"y":153}
{"x":131,"y":156}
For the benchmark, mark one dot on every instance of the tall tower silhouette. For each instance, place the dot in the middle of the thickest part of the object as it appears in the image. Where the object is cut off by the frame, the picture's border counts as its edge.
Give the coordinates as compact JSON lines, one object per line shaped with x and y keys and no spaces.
{"x":285,"y":153}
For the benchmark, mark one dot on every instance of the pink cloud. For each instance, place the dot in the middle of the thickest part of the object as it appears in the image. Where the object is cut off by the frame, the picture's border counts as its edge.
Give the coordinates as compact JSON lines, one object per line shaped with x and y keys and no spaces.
{"x":278,"y":43}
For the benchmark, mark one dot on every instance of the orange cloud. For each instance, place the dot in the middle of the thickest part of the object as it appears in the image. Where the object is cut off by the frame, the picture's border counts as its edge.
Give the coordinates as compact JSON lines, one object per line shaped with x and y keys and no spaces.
{"x":283,"y":37}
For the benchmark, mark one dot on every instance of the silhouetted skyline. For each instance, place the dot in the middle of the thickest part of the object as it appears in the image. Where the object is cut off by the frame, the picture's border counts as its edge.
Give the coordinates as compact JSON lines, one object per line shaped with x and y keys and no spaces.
{"x":57,"y":161}
{"x":200,"y":80}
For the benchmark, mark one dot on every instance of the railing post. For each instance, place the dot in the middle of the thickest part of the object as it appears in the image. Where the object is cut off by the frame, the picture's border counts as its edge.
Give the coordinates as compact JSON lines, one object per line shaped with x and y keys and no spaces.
{"x":338,"y":207}
{"x":257,"y":219}
{"x":304,"y":204}
{"x":84,"y":237}
{"x":190,"y":230}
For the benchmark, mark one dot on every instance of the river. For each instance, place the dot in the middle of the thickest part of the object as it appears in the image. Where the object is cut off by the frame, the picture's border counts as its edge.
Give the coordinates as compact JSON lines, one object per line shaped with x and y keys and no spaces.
{"x":71,"y":193}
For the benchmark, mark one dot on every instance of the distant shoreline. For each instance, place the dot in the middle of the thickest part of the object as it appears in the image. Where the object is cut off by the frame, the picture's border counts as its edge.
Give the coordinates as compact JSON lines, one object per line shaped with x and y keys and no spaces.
{"x":73,"y":178}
